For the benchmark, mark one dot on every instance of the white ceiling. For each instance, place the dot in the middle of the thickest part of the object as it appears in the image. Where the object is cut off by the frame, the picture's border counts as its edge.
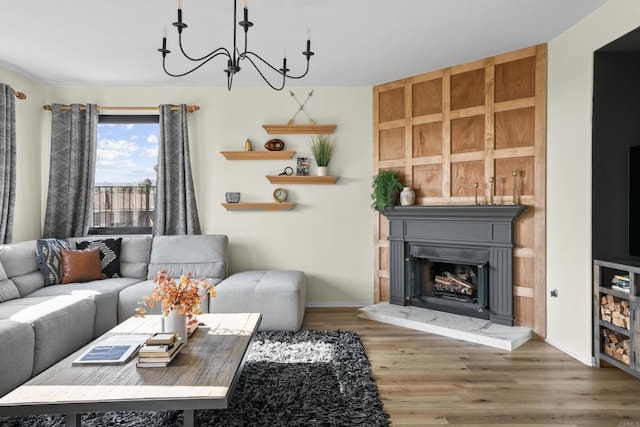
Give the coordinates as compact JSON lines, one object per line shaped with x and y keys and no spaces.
{"x":357,"y":42}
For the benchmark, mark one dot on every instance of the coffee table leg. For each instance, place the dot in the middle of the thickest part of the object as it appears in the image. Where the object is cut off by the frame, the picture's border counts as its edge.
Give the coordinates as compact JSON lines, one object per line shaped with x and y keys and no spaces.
{"x":73,"y":420}
{"x":189,"y":418}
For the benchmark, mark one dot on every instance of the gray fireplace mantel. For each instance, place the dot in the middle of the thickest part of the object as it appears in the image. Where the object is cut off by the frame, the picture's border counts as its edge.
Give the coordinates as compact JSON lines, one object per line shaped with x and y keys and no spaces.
{"x":489,"y":227}
{"x":472,"y":212}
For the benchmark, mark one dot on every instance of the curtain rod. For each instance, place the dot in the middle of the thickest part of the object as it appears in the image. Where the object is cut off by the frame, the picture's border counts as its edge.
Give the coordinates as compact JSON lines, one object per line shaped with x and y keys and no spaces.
{"x":21,"y":95}
{"x":190,"y":108}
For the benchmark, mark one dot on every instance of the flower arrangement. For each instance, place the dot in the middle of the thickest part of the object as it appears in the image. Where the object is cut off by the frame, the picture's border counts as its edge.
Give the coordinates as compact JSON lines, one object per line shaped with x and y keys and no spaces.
{"x":183,"y":295}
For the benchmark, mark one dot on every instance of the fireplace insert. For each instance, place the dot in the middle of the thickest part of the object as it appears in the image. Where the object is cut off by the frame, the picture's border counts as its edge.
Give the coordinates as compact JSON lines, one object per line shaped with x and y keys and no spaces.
{"x":449,"y":279}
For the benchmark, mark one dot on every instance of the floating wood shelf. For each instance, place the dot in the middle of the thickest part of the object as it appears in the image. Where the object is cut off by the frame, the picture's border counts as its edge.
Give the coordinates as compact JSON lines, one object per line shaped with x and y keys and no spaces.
{"x":292,"y":129}
{"x":259,"y":206}
{"x":294,"y":179}
{"x":257,"y":155}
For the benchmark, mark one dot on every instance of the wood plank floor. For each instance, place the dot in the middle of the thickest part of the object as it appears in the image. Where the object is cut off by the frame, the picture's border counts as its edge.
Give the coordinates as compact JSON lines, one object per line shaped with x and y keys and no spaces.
{"x":426,"y":379}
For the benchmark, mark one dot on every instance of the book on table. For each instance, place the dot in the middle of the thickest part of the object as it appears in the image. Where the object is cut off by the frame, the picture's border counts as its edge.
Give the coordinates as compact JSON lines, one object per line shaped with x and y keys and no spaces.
{"x":162,"y":350}
{"x":112,"y":350}
{"x":192,"y":327}
{"x":158,"y":358}
{"x":161,"y":338}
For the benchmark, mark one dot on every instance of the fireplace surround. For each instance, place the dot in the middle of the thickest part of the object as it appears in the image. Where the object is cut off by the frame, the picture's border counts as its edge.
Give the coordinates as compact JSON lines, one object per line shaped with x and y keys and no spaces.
{"x":426,"y":242}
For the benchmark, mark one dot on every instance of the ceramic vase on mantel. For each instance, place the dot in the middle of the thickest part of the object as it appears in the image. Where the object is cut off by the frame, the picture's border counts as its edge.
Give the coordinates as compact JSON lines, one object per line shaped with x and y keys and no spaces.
{"x":407,"y":197}
{"x":176,"y":322}
{"x":323,"y":170}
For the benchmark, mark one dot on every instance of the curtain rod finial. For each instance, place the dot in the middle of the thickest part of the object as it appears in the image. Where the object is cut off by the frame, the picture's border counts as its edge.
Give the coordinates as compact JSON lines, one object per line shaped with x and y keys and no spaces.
{"x":21,"y":95}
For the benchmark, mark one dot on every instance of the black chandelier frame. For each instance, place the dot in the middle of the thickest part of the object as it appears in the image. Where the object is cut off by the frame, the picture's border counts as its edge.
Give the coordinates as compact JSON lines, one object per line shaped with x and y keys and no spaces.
{"x":234,"y":56}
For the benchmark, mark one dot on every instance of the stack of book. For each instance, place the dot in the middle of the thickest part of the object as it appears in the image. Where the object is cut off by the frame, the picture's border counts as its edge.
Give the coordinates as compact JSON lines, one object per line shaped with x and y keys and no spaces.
{"x":159,"y":350}
{"x":620,"y":282}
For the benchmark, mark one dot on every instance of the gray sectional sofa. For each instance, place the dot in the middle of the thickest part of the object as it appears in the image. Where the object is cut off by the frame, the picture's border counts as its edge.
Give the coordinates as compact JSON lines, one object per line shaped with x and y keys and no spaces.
{"x":40,"y":325}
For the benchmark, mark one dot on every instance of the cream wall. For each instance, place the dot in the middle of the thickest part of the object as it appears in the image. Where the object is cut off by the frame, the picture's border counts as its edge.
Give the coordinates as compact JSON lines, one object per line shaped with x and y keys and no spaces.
{"x":27,"y":220}
{"x":569,"y":107}
{"x":328,"y":234}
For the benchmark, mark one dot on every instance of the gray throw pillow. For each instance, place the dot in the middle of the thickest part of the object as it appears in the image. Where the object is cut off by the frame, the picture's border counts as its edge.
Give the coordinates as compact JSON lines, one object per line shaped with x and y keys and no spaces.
{"x":49,"y":259}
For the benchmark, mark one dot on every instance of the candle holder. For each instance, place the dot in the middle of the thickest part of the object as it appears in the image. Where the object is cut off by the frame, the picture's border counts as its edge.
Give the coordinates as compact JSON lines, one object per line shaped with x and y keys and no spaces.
{"x":491,"y":190}
{"x":516,"y":192}
{"x":475,"y":186}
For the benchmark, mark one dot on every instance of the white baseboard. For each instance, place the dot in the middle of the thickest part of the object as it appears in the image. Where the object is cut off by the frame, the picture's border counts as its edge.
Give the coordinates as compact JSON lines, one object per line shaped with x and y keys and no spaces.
{"x":326,"y":304}
{"x":587,"y":361}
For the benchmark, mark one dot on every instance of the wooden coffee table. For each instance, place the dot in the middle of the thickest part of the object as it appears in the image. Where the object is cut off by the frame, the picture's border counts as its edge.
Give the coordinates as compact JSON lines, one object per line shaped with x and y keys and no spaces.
{"x":202,"y":376}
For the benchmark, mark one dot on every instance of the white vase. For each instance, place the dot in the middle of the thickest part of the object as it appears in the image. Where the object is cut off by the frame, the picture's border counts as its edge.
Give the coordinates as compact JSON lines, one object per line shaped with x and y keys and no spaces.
{"x":323,"y":170}
{"x":176,"y":322}
{"x":407,"y":197}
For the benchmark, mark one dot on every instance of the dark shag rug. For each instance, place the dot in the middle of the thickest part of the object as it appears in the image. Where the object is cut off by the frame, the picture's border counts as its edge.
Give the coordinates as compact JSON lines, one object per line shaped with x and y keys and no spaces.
{"x":305,"y":378}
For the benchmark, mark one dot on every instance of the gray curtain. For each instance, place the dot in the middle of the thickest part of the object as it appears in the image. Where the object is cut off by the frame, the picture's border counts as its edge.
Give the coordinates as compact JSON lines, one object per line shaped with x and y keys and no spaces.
{"x":176,"y":208}
{"x":72,"y":170}
{"x":7,"y":161}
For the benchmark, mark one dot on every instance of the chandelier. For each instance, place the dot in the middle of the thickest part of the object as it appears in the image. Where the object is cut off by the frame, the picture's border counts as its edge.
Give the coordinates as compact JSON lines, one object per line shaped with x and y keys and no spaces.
{"x":234,"y":56}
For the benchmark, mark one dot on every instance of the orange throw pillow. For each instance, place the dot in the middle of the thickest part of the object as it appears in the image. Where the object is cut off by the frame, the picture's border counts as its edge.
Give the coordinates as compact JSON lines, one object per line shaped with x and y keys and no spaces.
{"x":81,"y":266}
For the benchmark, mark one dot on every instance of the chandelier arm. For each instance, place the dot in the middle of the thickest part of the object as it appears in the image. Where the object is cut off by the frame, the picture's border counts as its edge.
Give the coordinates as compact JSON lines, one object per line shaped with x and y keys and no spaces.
{"x":263,"y":76}
{"x":301,"y":75}
{"x":213,"y":52}
{"x":246,"y":55}
{"x":255,"y":55}
{"x":194,"y":68}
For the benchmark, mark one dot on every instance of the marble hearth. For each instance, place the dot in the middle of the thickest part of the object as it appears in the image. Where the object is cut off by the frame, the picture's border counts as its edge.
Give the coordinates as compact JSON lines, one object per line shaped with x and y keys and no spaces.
{"x":479,"y":331}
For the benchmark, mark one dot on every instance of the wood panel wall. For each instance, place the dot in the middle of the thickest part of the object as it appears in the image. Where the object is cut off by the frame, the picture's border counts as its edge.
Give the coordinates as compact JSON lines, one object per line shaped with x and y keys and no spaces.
{"x":445,"y":130}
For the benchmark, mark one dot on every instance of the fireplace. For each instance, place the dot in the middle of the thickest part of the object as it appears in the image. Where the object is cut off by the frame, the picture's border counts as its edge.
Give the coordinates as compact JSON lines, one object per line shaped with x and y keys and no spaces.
{"x":457,"y":259}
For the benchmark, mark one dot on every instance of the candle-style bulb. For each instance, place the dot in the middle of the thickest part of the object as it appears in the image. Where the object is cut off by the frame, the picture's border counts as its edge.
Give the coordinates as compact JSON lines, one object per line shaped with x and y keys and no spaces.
{"x":179,"y":4}
{"x":308,"y":34}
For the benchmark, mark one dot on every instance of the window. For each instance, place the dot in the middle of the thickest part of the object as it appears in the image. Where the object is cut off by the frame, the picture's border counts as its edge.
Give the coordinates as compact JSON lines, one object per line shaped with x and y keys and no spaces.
{"x":125,"y":182}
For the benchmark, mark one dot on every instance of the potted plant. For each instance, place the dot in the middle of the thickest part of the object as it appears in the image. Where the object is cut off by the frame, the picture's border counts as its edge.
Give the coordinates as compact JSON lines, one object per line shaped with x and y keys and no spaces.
{"x":322,"y":150}
{"x":386,"y":186}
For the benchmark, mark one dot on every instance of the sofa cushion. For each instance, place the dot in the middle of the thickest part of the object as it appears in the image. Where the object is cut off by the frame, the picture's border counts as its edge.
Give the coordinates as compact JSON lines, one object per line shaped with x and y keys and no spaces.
{"x":104,"y":293}
{"x":8,"y":289}
{"x":49,"y":259}
{"x":61,"y":325}
{"x":81,"y":266}
{"x":109,"y":254}
{"x":204,"y":255}
{"x":19,"y":263}
{"x":130,"y":298}
{"x":16,"y":354}
{"x":279,"y":295}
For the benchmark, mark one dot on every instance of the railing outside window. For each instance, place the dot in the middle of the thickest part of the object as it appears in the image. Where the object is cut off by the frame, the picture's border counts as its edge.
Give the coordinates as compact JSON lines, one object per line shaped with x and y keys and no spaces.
{"x":123,"y":209}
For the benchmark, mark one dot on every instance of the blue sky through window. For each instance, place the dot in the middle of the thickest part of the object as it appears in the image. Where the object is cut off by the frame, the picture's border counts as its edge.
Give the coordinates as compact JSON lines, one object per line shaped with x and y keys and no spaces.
{"x":126,"y":153}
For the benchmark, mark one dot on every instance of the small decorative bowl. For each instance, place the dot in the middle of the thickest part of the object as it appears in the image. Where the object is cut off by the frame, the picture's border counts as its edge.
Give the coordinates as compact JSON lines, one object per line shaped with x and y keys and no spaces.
{"x":274,"y":145}
{"x":232,"y":197}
